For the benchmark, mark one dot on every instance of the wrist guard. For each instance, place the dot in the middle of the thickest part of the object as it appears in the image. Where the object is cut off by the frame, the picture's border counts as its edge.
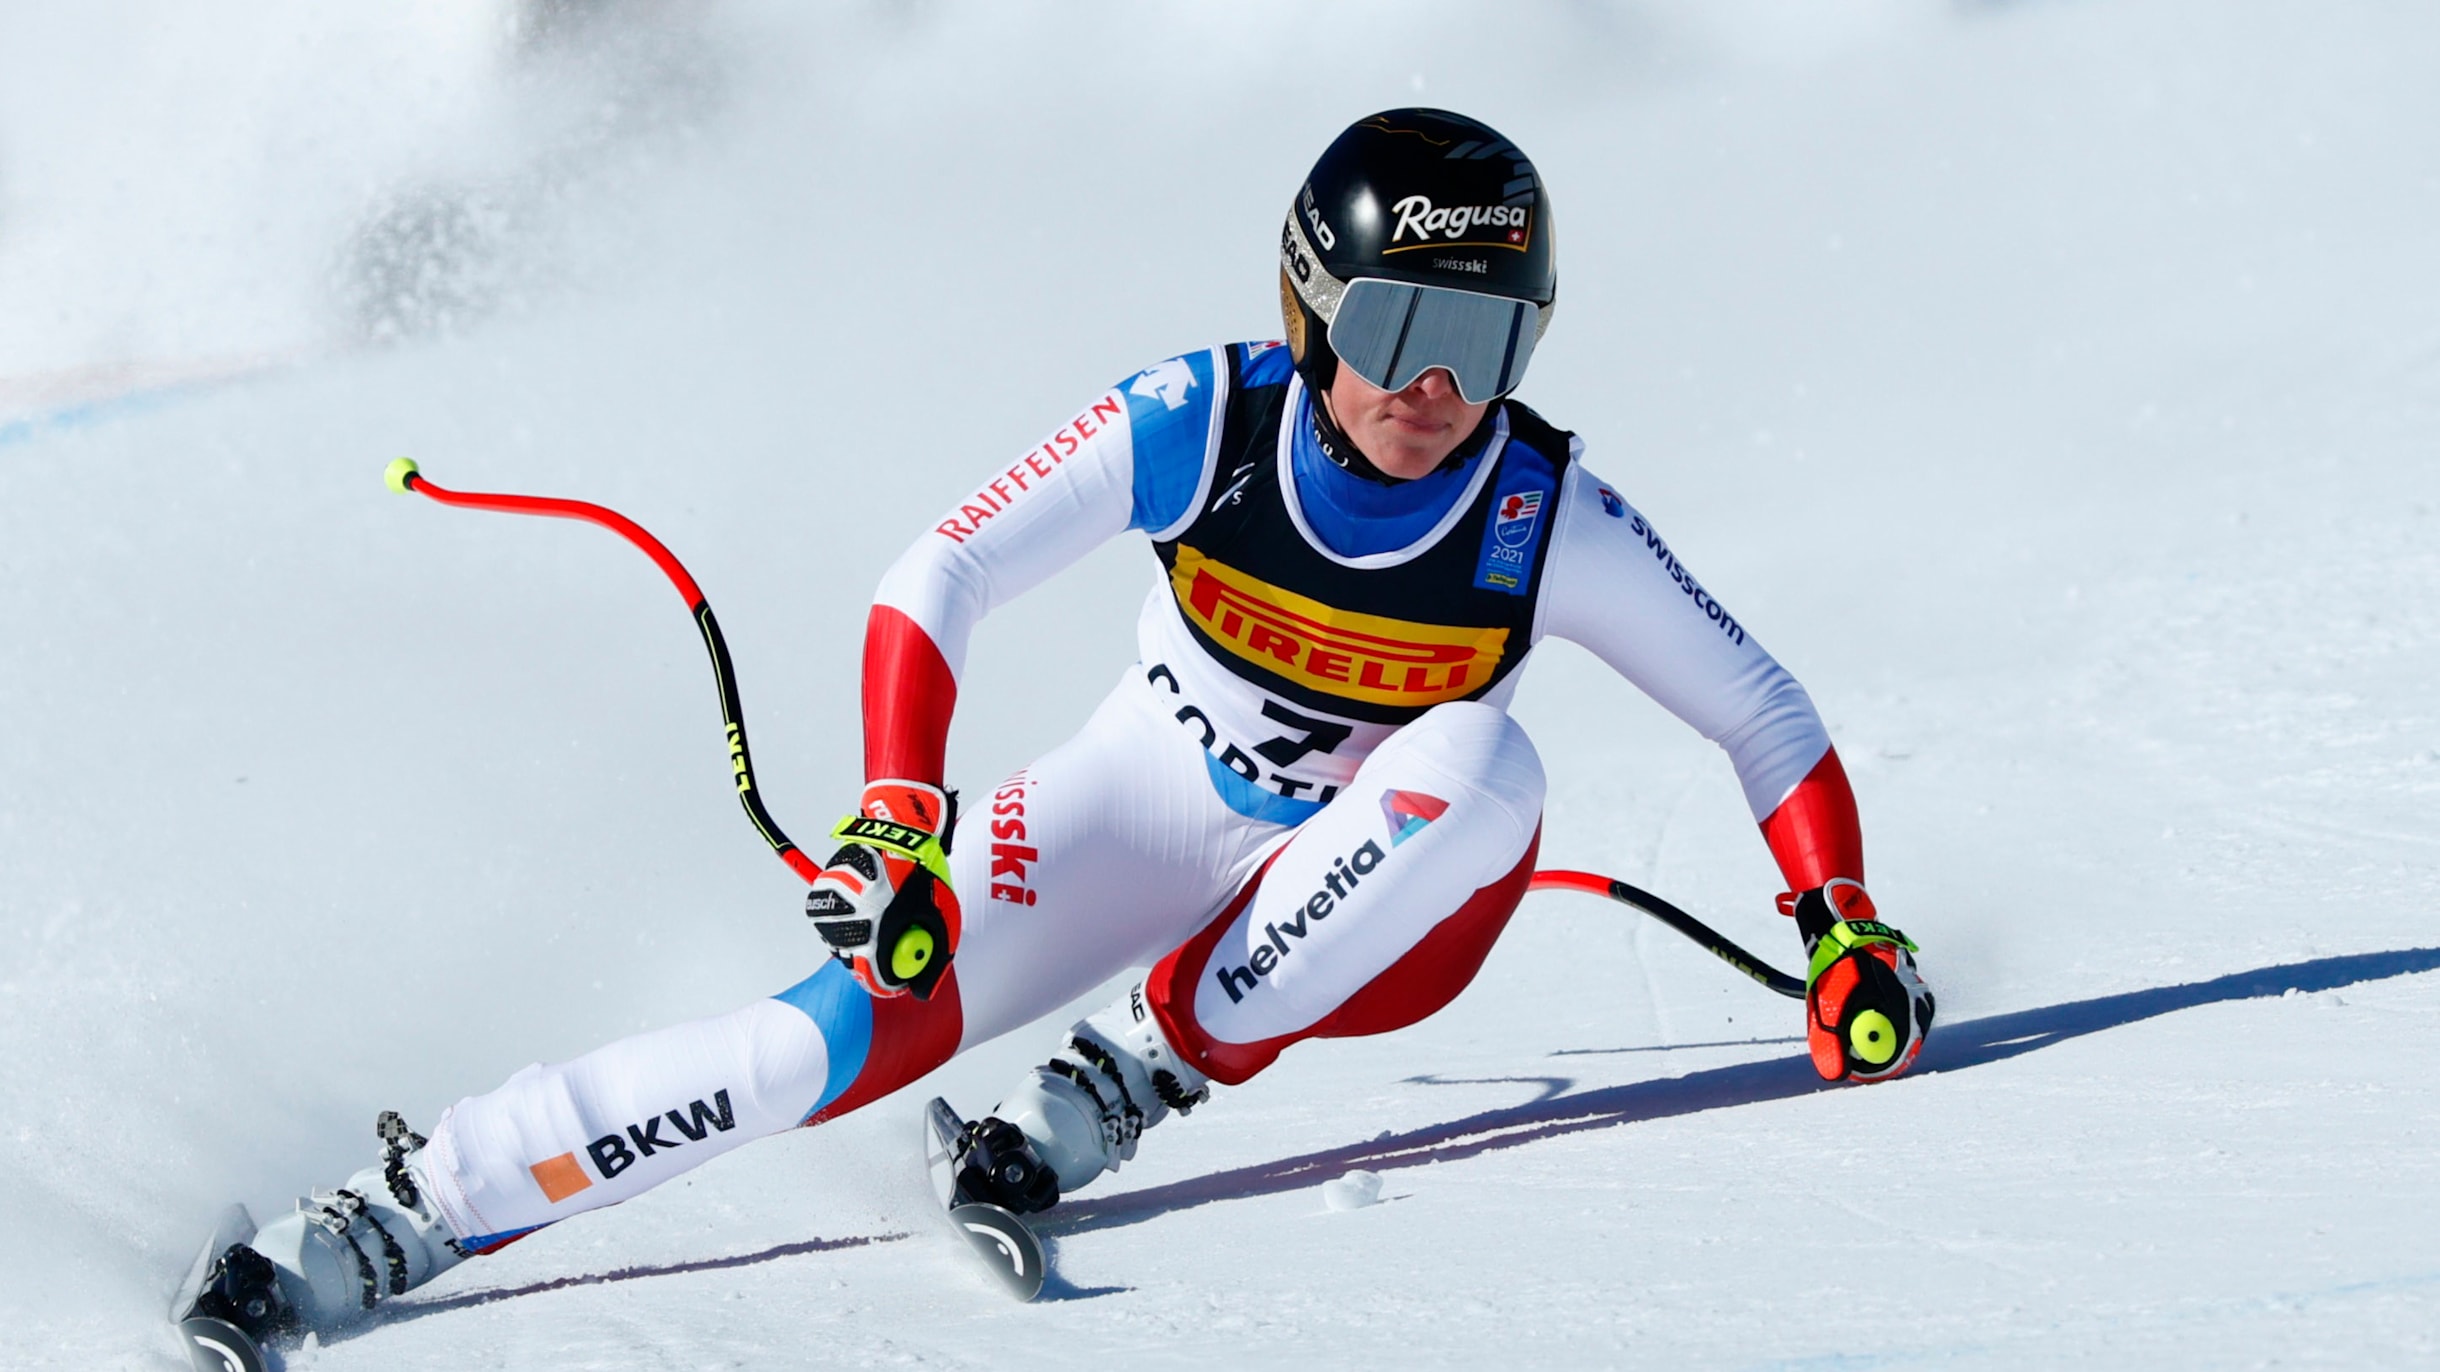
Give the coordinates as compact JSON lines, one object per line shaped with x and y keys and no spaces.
{"x":883,"y":903}
{"x":1867,"y":1008}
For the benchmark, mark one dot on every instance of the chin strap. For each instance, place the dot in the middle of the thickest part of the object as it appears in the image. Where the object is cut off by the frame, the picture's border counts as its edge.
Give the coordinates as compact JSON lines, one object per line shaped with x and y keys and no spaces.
{"x":1339,"y":448}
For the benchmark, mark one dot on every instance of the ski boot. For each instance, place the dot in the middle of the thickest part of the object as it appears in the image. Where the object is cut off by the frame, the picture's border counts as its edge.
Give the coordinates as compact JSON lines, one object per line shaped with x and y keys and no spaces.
{"x":320,"y":1269}
{"x":1080,"y":1114}
{"x":342,"y":1252}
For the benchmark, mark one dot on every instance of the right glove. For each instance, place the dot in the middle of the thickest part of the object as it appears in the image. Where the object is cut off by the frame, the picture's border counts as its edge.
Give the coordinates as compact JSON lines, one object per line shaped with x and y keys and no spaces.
{"x":883,"y":903}
{"x":1867,"y":1009}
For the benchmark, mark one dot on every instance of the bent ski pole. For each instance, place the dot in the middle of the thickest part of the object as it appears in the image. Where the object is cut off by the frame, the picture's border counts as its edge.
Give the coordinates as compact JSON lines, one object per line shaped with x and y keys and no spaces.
{"x":1594,"y":884}
{"x":403,"y":476}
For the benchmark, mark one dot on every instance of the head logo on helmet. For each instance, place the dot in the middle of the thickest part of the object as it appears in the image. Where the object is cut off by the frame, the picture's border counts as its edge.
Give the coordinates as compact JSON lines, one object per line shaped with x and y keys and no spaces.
{"x":1320,"y":230}
{"x":1421,"y":240}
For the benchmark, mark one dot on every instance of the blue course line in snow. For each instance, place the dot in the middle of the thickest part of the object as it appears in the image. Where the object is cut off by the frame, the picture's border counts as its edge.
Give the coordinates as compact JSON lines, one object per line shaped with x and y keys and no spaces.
{"x":86,"y":414}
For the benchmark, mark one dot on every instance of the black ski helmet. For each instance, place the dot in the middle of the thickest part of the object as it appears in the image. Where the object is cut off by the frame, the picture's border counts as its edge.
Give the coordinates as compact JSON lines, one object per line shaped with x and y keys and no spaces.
{"x":1448,"y":223}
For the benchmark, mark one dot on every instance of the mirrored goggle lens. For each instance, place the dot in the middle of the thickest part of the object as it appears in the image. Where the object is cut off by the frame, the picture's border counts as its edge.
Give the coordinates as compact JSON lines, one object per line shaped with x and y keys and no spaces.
{"x":1391,"y":333}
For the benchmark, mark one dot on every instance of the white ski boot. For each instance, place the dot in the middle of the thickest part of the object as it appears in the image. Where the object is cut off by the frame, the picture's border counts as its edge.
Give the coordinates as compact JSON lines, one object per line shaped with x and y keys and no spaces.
{"x":1083,"y":1111}
{"x":342,"y":1252}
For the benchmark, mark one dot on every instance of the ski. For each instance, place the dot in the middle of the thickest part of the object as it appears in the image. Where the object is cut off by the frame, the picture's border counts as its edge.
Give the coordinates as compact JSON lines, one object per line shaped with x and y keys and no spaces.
{"x":214,"y":1344}
{"x":1004,"y":1242}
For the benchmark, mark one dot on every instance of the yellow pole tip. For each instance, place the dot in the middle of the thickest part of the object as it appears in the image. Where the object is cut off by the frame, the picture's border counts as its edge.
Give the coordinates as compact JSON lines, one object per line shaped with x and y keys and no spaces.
{"x":400,"y":469}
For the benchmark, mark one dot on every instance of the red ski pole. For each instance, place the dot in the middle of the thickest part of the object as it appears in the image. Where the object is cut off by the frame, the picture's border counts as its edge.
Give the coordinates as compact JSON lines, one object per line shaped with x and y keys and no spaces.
{"x":404,"y":477}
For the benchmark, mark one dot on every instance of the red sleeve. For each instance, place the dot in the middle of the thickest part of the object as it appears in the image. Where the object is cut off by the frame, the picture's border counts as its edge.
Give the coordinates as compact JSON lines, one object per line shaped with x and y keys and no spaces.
{"x":908,"y":696}
{"x":1814,"y":833}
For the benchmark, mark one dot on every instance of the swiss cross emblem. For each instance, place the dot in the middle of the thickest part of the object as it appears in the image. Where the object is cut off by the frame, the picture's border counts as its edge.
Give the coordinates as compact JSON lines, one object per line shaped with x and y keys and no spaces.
{"x":1516,"y":235}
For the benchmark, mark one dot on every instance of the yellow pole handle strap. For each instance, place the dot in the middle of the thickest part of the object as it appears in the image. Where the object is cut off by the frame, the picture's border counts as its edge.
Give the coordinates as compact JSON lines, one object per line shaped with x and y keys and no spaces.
{"x":915,"y":845}
{"x":1846,"y":936}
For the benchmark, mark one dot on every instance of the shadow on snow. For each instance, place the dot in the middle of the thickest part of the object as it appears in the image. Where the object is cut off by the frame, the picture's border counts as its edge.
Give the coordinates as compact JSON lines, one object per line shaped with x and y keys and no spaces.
{"x":1552,"y":1114}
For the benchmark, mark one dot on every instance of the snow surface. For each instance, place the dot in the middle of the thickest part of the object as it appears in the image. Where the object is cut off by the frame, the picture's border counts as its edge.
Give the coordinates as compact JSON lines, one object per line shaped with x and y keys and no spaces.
{"x":2054,"y":385}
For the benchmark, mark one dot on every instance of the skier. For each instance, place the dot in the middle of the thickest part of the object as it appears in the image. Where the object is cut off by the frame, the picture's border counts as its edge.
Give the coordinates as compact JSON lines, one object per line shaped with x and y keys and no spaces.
{"x":1304,"y":807}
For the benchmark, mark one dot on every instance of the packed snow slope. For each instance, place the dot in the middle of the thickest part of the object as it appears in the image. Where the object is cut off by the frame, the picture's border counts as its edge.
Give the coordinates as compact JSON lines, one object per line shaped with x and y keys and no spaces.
{"x":2054,"y":385}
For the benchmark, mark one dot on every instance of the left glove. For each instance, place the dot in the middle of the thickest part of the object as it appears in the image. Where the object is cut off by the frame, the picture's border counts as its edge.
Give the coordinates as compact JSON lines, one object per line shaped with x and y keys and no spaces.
{"x":1867,"y":1009}
{"x":883,"y":903}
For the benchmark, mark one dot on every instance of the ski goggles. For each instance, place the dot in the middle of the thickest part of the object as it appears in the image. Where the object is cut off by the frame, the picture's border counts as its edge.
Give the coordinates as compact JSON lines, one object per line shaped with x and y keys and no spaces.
{"x":1391,"y":332}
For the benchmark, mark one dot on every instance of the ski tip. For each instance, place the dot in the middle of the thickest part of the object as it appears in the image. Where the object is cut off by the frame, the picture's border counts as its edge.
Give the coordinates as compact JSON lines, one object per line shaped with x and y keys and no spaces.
{"x":940,"y":1115}
{"x":219,"y":1346}
{"x":402,"y":470}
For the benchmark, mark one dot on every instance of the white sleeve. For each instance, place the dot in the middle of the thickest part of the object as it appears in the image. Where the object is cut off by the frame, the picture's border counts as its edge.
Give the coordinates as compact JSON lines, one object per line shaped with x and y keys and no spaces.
{"x":1044,"y":511}
{"x":1611,"y":584}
